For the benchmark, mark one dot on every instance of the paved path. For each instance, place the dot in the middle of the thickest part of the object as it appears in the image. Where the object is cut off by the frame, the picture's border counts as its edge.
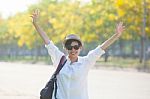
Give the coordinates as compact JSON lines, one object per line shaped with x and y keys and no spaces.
{"x":24,"y":81}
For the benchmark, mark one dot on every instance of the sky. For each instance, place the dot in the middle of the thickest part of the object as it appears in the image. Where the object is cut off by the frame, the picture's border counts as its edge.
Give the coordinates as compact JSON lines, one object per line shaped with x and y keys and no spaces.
{"x":10,"y":7}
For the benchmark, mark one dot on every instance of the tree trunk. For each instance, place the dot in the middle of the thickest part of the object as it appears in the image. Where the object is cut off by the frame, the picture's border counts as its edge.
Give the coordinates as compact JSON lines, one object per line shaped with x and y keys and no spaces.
{"x":132,"y":49}
{"x":142,"y":50}
{"x":143,"y":39}
{"x":121,"y":48}
{"x":106,"y":55}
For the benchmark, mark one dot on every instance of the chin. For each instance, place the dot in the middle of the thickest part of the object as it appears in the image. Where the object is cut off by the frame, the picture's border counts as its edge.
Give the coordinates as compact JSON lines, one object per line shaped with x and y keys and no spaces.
{"x":73,"y":56}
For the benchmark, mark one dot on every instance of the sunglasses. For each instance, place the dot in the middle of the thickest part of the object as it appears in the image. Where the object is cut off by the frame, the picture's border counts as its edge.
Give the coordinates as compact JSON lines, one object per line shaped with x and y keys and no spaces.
{"x":69,"y":47}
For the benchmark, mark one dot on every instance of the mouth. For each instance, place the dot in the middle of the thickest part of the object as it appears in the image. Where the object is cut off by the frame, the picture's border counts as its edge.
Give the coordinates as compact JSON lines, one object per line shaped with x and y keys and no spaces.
{"x":73,"y":53}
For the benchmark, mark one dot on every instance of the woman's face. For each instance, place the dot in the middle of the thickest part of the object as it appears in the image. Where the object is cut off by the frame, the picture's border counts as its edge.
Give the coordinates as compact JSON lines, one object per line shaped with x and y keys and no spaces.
{"x":73,"y":49}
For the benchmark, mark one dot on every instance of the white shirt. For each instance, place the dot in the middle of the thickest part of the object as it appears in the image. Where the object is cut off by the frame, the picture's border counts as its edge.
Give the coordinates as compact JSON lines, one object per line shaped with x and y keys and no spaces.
{"x":72,"y":79}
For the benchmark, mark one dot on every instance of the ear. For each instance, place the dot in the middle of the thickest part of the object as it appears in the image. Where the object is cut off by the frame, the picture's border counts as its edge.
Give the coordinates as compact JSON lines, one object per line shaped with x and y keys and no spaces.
{"x":81,"y":47}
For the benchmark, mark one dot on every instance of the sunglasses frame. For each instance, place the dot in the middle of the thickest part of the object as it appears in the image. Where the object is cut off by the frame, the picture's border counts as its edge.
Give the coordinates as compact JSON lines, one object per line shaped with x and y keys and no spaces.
{"x":69,"y":47}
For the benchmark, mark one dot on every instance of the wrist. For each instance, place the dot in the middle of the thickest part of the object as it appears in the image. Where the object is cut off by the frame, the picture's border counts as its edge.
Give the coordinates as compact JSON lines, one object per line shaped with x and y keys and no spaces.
{"x":34,"y":23}
{"x":117,"y":35}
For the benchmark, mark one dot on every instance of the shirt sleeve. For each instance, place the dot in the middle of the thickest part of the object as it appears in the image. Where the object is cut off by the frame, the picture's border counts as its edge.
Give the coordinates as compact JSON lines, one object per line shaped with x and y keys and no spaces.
{"x":54,"y":52}
{"x":93,"y":56}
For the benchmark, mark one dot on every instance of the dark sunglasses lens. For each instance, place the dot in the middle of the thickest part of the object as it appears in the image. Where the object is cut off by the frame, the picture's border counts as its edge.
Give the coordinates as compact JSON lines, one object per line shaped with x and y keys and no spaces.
{"x":69,"y":47}
{"x":76,"y":47}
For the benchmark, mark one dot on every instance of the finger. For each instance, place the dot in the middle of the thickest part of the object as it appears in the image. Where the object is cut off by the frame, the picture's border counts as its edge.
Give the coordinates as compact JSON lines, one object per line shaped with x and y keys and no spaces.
{"x":117,"y":25}
{"x":38,"y":11}
{"x":122,"y":23}
{"x":123,"y":26}
{"x":123,"y":29}
{"x":31,"y":16}
{"x":34,"y":11}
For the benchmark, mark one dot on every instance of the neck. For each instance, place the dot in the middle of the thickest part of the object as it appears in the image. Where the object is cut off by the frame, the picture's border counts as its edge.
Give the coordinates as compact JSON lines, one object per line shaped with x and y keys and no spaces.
{"x":73,"y":59}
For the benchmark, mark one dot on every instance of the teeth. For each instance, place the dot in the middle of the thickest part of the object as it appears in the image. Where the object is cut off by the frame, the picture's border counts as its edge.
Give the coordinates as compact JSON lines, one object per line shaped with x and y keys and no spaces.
{"x":73,"y":53}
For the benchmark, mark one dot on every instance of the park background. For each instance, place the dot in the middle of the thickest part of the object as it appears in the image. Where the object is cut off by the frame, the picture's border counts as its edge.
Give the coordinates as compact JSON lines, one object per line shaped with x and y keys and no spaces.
{"x":95,"y":22}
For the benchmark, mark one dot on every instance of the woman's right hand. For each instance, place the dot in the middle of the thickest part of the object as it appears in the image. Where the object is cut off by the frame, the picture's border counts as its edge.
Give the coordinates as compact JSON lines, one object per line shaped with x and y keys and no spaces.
{"x":35,"y":16}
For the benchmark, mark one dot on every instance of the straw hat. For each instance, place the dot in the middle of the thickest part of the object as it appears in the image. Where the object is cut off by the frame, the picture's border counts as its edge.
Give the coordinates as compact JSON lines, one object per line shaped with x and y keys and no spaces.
{"x":72,"y":37}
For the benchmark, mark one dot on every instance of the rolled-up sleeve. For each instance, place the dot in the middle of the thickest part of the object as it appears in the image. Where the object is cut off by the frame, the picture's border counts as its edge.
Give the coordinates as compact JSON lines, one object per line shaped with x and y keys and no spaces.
{"x":54,"y":52}
{"x":94,"y":55}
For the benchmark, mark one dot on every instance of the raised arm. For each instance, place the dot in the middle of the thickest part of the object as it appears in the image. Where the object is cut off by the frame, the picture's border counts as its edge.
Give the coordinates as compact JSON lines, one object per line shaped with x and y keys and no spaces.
{"x":42,"y":34}
{"x":119,"y":29}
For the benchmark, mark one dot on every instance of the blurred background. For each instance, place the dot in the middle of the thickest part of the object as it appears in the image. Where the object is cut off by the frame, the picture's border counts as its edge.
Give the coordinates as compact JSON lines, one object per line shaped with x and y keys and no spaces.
{"x":121,"y":73}
{"x":93,"y":20}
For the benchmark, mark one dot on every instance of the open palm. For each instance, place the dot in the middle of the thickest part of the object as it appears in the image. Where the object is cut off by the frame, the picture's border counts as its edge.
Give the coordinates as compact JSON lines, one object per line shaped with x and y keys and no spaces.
{"x":119,"y":29}
{"x":35,"y":16}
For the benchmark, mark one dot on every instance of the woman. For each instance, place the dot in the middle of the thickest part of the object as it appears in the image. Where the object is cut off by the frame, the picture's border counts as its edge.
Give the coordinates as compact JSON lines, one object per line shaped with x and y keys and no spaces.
{"x":72,"y":79}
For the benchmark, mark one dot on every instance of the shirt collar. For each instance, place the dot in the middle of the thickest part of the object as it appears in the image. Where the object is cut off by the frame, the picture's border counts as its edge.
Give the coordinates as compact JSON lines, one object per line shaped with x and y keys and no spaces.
{"x":79,"y":59}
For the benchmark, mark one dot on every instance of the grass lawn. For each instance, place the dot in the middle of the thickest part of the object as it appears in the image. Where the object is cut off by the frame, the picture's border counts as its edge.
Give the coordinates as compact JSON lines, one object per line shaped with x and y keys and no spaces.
{"x":119,"y":62}
{"x":116,"y":62}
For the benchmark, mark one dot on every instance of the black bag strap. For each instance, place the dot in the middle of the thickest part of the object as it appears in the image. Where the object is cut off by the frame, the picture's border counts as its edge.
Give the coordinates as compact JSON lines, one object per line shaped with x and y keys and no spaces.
{"x":55,"y":93}
{"x":60,"y":65}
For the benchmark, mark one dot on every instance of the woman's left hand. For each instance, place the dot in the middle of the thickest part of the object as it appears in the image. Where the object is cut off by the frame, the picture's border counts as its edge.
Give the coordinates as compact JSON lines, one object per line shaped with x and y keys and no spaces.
{"x":119,"y":29}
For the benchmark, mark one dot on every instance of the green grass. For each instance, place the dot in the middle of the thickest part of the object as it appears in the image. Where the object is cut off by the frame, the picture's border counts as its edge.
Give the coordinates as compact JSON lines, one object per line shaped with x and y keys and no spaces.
{"x":27,"y":59}
{"x":112,"y":61}
{"x":122,"y":62}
